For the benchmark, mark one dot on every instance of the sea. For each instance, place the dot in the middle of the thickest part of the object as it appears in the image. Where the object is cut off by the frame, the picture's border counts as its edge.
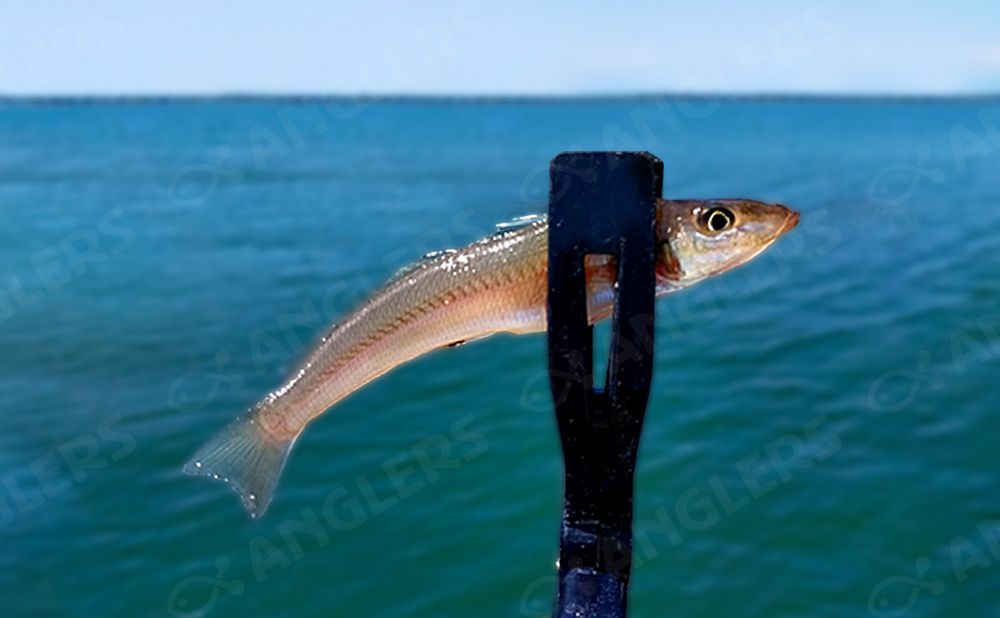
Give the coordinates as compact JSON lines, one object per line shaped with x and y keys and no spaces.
{"x":820,"y":433}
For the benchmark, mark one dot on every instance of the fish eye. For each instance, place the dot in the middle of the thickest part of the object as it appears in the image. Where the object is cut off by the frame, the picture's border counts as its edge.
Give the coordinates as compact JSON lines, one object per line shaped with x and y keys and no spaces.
{"x":717,"y":220}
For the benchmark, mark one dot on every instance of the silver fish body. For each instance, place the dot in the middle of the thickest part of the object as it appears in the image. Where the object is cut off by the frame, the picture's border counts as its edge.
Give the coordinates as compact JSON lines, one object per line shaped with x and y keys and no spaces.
{"x":497,"y":284}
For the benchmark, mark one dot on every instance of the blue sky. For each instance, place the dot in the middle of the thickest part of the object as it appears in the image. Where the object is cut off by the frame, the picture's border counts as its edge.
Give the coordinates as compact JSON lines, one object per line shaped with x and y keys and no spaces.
{"x":499,"y":47}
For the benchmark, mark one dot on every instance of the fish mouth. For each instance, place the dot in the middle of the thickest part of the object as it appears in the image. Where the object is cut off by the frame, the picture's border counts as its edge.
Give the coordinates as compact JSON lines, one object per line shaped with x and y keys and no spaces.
{"x":790,"y":222}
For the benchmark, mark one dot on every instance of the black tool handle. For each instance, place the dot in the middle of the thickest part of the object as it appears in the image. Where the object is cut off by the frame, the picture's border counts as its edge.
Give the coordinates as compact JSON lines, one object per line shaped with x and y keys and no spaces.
{"x":600,"y":203}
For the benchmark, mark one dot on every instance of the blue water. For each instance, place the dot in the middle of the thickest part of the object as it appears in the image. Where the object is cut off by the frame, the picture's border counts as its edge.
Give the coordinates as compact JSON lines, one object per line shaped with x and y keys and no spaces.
{"x":820,"y":439}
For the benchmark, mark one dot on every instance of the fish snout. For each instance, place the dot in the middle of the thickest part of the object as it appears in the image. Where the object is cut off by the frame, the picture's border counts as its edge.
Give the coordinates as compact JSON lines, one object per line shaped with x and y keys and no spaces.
{"x":791,"y":220}
{"x":782,"y":217}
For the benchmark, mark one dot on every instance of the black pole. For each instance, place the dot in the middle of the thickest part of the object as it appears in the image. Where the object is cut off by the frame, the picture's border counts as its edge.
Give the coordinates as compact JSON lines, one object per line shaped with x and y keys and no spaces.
{"x":600,"y":203}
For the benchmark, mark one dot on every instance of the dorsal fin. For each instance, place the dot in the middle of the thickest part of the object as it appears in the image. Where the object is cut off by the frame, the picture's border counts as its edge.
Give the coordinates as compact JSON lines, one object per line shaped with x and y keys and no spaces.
{"x":501,"y":228}
{"x":518,"y":222}
{"x":418,"y":264}
{"x":435,"y":254}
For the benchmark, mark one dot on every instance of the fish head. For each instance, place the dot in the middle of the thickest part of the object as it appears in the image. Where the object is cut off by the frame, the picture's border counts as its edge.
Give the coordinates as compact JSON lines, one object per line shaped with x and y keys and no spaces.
{"x":701,"y":238}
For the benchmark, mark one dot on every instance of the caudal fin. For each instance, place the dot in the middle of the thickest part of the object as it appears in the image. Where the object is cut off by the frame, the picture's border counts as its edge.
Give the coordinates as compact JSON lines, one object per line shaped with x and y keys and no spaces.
{"x":246,"y":458}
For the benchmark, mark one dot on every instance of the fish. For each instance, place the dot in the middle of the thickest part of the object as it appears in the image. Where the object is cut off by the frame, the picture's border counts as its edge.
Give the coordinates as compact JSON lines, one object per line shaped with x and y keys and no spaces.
{"x":495,"y":285}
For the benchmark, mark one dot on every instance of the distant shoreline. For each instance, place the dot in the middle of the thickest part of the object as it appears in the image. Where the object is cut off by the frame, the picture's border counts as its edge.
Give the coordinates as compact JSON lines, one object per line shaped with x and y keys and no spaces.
{"x":514,"y":99}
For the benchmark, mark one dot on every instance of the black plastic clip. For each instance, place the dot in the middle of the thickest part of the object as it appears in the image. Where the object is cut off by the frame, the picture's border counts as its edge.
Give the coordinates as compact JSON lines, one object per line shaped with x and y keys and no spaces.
{"x":600,"y":203}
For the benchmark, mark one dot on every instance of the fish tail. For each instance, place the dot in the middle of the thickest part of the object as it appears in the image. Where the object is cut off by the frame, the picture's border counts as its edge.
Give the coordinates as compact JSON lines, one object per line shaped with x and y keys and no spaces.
{"x":247,"y":458}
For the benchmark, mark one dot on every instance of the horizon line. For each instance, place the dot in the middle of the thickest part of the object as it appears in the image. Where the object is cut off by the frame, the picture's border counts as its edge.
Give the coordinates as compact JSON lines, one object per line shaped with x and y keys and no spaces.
{"x":249,"y":96}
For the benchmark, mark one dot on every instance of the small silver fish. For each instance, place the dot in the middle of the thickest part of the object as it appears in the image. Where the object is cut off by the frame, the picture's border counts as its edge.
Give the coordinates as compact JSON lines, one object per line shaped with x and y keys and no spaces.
{"x":497,"y":284}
